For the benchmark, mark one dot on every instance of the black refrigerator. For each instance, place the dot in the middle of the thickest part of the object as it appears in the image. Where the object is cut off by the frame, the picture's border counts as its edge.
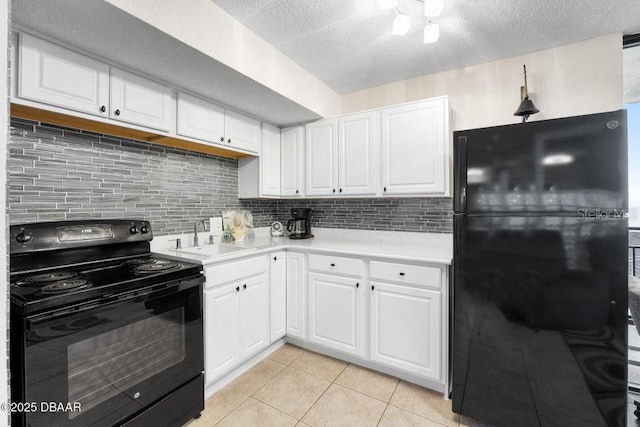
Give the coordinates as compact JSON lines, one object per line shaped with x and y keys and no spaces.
{"x":540,"y":273}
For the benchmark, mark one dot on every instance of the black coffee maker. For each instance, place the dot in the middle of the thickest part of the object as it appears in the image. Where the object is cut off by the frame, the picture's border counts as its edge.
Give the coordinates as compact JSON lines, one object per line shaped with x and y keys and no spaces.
{"x":299,"y":226}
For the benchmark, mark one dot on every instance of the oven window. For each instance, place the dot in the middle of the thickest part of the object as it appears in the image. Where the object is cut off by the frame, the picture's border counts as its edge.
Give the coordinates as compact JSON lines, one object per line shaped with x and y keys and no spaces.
{"x":113,"y":362}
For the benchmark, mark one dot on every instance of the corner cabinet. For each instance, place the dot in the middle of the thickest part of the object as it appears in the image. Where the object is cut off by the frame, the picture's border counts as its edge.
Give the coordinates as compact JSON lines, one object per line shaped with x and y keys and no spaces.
{"x":296,"y":295}
{"x":278,"y":285}
{"x":415,"y":148}
{"x":341,"y":156}
{"x":269,"y":169}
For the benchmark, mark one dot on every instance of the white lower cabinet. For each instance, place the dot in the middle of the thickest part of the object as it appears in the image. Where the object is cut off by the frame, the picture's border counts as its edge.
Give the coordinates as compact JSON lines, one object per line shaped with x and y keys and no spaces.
{"x":254,"y":315}
{"x":236,"y":314}
{"x":278,"y":286}
{"x":221,"y":343}
{"x":335,"y":312}
{"x":296,"y":295}
{"x":406,"y":327}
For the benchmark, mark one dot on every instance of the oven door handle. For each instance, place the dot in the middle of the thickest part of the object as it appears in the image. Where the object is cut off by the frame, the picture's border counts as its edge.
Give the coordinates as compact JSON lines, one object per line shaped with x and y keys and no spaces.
{"x":141,"y":295}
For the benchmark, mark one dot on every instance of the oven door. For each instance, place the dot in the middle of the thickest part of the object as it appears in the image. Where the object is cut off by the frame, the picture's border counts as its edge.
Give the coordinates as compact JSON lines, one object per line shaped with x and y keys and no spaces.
{"x":99,"y":363}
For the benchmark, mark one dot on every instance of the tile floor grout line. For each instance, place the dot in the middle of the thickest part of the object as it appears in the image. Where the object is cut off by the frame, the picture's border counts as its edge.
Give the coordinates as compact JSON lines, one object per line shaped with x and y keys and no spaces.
{"x":382,"y":416}
{"x":237,"y":406}
{"x":325,"y":390}
{"x":422,"y":416}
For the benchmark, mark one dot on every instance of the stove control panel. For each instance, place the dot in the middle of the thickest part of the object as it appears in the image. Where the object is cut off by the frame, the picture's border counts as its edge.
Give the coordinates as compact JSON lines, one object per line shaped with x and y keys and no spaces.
{"x":45,"y":236}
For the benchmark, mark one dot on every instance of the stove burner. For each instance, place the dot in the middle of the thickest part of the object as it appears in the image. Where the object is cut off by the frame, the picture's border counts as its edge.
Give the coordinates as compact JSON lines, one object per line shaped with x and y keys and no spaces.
{"x":40,"y":279}
{"x":157,"y":267}
{"x":63,"y":286}
{"x":141,"y":261}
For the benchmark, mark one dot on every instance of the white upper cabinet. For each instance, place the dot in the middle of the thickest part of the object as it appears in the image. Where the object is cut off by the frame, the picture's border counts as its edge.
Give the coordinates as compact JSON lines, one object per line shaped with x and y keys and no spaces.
{"x":241,"y":131}
{"x":200,"y":119}
{"x":54,"y":75}
{"x":210,"y":122}
{"x":270,"y":161}
{"x":322,"y":158}
{"x":292,"y":161}
{"x":140,"y":101}
{"x":358,"y":141}
{"x":415,"y":143}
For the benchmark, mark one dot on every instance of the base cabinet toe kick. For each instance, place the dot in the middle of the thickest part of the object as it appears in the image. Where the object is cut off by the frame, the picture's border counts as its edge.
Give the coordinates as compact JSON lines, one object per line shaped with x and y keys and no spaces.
{"x":387,"y":315}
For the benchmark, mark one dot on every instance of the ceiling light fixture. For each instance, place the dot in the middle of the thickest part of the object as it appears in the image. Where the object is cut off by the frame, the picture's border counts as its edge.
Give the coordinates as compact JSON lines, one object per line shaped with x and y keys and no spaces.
{"x":431,"y":32}
{"x":388,"y":4}
{"x":433,"y":8}
{"x":402,"y":22}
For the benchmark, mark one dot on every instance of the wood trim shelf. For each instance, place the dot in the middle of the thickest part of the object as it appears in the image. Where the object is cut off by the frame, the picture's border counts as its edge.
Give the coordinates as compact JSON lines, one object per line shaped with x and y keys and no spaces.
{"x":40,"y":115}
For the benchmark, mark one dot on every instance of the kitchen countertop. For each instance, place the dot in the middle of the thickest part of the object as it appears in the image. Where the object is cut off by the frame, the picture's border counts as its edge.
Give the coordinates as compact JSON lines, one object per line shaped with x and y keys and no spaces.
{"x":411,"y":247}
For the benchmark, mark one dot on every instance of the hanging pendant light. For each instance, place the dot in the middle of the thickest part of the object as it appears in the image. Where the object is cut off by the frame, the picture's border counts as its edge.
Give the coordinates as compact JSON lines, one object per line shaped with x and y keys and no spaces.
{"x":431,"y":33}
{"x":433,"y":7}
{"x":526,"y":107}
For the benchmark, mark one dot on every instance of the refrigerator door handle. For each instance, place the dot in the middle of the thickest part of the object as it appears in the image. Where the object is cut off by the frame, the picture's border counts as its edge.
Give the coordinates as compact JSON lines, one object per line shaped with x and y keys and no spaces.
{"x":460,"y":175}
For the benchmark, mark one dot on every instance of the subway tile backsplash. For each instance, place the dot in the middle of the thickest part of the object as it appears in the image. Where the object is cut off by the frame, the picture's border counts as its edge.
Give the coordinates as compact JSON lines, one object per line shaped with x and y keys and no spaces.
{"x":56,"y":174}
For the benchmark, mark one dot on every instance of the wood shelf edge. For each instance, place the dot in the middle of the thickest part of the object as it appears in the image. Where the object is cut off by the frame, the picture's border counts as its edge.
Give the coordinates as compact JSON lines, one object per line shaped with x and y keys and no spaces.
{"x":40,"y":115}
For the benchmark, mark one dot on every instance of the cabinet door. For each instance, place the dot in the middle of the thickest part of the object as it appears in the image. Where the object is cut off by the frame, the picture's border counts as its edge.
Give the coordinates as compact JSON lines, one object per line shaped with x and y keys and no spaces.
{"x":335,"y":310}
{"x":200,"y":119}
{"x":278,"y":288}
{"x":241,"y":131}
{"x":292,"y":161}
{"x":270,"y":161}
{"x":322,"y":158}
{"x":140,"y":101}
{"x":406,"y":329}
{"x":254,"y":315}
{"x":414,"y":148}
{"x":221,"y":312}
{"x":54,"y":75}
{"x":296,"y":295}
{"x":358,"y":140}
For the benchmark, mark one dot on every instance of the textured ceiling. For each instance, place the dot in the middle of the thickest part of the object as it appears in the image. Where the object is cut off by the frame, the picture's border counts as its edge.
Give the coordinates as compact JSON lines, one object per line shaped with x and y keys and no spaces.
{"x":348,"y":44}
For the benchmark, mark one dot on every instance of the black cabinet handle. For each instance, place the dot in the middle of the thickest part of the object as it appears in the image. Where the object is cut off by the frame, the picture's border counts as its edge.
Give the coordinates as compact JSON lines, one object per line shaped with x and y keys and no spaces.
{"x":222,"y":139}
{"x":297,"y":191}
{"x":103,"y":109}
{"x":402,"y":274}
{"x":117,"y":112}
{"x":275,"y":258}
{"x":357,"y":285}
{"x":244,"y":286}
{"x":334,"y":190}
{"x":237,"y":288}
{"x":384,"y":189}
{"x":372,"y":287}
{"x":333,"y":265}
{"x":341,"y":190}
{"x":229,"y":140}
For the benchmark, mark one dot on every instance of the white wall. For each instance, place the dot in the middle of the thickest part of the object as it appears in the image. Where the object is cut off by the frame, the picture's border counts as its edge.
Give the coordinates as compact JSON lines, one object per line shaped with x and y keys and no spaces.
{"x":214,"y":32}
{"x":4,"y":274}
{"x":575,"y":79}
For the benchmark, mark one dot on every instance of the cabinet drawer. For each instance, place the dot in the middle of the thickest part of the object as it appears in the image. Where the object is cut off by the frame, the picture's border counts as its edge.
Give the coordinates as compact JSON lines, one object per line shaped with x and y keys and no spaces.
{"x":336,"y":265}
{"x":406,"y":273}
{"x":235,"y":270}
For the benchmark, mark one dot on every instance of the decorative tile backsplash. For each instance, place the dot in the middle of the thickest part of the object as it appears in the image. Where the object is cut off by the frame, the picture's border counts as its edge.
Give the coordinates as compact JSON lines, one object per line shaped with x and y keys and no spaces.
{"x":57,"y":173}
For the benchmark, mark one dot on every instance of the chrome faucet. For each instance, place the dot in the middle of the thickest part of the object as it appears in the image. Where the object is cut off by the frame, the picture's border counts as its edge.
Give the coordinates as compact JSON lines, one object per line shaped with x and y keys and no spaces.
{"x":195,"y":230}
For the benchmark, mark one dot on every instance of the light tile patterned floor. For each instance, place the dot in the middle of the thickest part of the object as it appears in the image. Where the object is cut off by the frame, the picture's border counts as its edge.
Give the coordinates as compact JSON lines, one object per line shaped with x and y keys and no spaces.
{"x":296,"y":387}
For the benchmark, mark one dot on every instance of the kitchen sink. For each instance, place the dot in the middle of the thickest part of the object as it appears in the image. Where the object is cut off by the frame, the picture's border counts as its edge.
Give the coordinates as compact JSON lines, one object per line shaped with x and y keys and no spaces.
{"x":213,"y":250}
